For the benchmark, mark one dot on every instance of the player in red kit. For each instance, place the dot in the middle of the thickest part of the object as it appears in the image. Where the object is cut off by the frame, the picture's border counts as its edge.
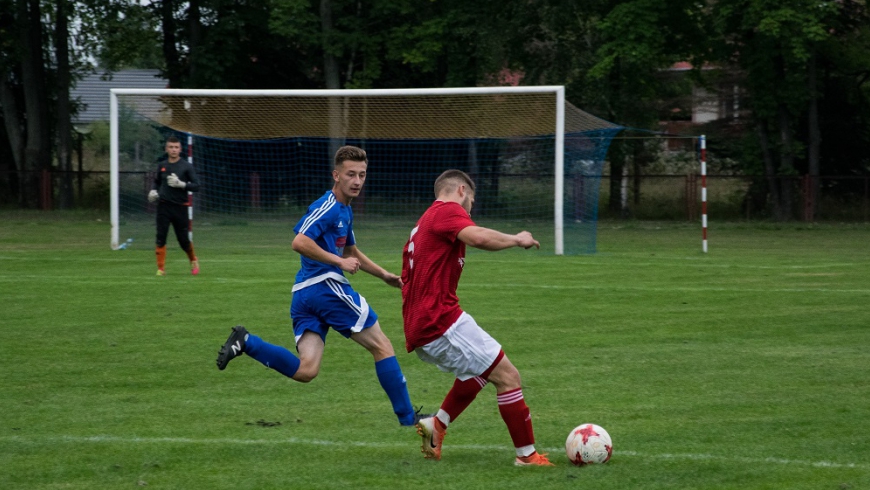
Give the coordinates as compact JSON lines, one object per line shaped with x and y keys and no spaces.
{"x":442,"y":334}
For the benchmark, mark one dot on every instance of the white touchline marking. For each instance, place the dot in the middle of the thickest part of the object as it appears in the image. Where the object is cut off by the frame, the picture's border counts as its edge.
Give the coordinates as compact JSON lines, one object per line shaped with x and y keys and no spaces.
{"x":472,"y":447}
{"x":585,"y":261}
{"x":665,"y":289}
{"x":126,"y":280}
{"x":104,"y":281}
{"x":745,"y":460}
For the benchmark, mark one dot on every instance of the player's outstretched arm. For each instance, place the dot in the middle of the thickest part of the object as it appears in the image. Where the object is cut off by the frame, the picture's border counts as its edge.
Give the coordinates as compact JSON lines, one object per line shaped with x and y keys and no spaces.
{"x":493,"y":240}
{"x":368,"y":265}
{"x":304,"y":245}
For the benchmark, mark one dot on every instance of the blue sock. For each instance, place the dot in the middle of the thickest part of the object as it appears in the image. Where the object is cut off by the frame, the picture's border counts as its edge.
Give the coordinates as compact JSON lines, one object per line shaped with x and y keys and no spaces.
{"x":393,"y":382}
{"x":272,"y":356}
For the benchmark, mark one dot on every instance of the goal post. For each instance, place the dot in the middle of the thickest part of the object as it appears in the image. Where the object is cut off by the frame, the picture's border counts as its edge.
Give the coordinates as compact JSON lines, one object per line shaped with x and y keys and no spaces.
{"x":263,"y":155}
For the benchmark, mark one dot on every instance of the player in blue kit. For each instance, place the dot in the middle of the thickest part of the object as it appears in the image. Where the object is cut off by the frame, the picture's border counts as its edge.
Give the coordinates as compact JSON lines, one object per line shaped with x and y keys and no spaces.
{"x":323,"y":297}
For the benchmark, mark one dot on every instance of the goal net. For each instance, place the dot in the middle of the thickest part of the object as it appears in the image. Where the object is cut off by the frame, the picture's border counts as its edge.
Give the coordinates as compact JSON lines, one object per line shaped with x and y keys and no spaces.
{"x":263,"y":156}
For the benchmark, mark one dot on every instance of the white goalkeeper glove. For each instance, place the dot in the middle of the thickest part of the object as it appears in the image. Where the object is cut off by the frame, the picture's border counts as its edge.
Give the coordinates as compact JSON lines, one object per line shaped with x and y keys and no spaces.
{"x":173,"y":181}
{"x":153,"y":196}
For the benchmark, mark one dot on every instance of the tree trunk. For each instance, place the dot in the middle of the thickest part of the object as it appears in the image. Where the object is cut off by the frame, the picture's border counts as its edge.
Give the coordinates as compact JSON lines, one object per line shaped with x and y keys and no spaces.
{"x":330,"y":62}
{"x":815,"y":134}
{"x":769,"y":167}
{"x":36,"y":153}
{"x":12,"y":123}
{"x":638,"y":161}
{"x":617,"y":166}
{"x":64,"y":129}
{"x":331,"y":77}
{"x":170,"y":50}
{"x":351,"y":59}
{"x":618,"y":151}
{"x":195,"y":28}
{"x":786,"y":162}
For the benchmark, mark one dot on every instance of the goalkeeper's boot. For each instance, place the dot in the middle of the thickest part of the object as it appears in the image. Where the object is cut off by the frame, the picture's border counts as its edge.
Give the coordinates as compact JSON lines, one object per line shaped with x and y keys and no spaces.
{"x":194,"y":266}
{"x":161,"y":272}
{"x":432,"y":431}
{"x":233,"y":347}
{"x":534,"y":459}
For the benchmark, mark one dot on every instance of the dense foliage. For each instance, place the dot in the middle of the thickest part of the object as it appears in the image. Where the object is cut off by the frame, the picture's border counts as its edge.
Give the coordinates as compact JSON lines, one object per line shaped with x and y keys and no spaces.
{"x":798,"y":71}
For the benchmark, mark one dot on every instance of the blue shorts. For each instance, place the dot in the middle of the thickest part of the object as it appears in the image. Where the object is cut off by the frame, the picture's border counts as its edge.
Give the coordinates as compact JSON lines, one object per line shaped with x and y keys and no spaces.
{"x":327,"y":304}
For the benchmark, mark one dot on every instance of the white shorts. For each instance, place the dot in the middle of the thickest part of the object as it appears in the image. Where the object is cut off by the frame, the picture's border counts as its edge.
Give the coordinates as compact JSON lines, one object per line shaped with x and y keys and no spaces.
{"x":465,"y":349}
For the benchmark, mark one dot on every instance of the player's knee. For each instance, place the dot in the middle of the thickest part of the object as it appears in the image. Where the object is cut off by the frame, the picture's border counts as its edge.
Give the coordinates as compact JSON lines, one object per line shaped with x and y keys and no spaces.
{"x":376,"y":342}
{"x":506,"y":376}
{"x":305,"y":375}
{"x":515,"y":380}
{"x":511,"y":381}
{"x":307,"y":371}
{"x":382,"y":350}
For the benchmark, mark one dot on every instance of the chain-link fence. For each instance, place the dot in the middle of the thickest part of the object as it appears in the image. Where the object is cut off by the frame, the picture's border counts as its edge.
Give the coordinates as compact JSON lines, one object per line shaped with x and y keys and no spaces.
{"x":729,"y":197}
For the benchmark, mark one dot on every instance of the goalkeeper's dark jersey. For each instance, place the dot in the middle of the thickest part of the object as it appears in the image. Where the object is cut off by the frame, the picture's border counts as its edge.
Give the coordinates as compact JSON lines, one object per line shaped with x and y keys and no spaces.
{"x":185,"y":173}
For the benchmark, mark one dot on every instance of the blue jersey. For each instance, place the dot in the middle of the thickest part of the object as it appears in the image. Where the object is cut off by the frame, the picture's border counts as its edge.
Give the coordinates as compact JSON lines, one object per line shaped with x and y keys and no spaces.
{"x":330,"y":224}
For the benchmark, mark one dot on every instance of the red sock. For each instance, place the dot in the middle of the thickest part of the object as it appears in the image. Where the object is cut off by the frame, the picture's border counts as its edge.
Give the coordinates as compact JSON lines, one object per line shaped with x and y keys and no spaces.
{"x":461,"y":396}
{"x":161,"y":257}
{"x":515,"y":413}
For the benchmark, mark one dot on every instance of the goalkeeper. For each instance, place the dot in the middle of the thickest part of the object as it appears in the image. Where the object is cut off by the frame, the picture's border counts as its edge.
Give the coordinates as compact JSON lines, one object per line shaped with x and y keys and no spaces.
{"x":175,"y":178}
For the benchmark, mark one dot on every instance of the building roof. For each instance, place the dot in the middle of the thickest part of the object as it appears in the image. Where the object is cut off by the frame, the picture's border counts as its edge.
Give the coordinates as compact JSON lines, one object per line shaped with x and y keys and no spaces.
{"x":93,"y":91}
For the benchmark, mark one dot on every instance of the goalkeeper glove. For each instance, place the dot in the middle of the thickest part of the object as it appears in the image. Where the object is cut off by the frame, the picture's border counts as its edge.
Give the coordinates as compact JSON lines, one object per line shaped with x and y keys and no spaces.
{"x":153,"y":196}
{"x":173,"y":181}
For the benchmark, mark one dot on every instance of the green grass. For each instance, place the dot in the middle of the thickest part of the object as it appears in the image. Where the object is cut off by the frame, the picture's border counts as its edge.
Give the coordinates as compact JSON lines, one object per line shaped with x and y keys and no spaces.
{"x":747,"y":367}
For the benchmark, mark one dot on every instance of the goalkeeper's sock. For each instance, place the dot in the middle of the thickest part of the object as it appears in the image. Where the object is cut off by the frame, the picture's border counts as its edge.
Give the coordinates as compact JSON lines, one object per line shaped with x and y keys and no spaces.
{"x":272,"y":356}
{"x":161,"y":257}
{"x":515,"y":413}
{"x":194,"y":264}
{"x":459,"y":398}
{"x":190,"y":254}
{"x":393,"y":382}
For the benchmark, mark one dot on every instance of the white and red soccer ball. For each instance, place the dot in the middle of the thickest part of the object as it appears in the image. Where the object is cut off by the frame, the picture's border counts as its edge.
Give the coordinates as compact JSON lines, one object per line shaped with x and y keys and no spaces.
{"x":588,"y":444}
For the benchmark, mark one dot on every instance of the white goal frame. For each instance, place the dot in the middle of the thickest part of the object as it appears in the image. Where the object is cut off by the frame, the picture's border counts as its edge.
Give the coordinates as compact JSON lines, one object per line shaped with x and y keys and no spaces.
{"x":558,"y":92}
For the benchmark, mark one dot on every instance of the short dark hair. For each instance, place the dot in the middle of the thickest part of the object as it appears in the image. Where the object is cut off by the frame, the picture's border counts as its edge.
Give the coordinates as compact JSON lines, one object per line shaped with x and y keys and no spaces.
{"x":449,"y":180}
{"x":351,"y":153}
{"x":173,"y":139}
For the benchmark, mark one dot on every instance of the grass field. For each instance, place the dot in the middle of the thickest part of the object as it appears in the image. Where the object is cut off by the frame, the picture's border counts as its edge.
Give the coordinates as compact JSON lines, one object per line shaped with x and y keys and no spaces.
{"x":745,"y":368}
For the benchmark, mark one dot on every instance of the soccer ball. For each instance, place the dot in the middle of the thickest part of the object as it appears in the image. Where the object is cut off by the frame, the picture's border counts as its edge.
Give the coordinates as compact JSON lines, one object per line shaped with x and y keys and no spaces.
{"x":588,"y":444}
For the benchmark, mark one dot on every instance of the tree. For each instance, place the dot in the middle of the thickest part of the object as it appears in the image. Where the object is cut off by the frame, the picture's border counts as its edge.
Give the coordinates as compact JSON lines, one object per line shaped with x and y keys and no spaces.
{"x":41,"y":59}
{"x":121,"y":34}
{"x":27,"y":73}
{"x":13,"y":137}
{"x":780,"y":47}
{"x":63,"y":110}
{"x":610,"y":55}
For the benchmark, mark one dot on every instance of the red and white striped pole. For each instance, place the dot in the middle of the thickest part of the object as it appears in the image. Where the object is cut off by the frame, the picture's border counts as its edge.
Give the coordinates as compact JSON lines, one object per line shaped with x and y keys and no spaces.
{"x":704,"y":192}
{"x":190,"y":194}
